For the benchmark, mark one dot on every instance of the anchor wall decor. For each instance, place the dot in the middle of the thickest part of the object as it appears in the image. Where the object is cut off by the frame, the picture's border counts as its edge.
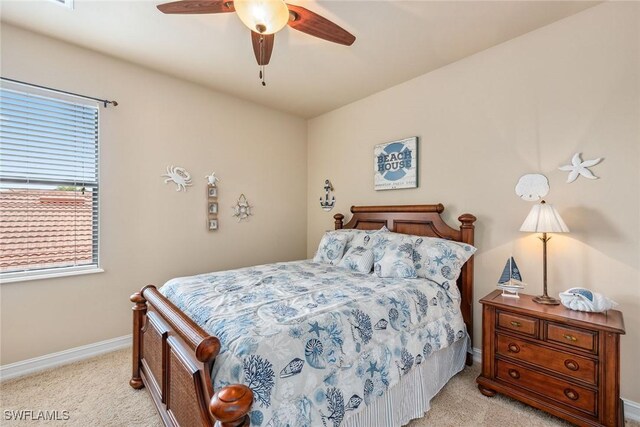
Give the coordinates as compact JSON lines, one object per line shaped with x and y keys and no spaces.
{"x":325,"y":204}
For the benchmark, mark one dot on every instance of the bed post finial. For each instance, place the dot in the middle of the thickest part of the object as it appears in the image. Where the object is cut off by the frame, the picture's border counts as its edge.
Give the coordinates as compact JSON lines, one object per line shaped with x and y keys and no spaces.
{"x":139,"y":311}
{"x":338,"y":221}
{"x":230,"y":406}
{"x":466,"y":227}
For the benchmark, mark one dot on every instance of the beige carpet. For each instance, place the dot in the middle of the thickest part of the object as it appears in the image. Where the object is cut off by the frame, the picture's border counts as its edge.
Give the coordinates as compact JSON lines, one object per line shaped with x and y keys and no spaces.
{"x":96,"y":393}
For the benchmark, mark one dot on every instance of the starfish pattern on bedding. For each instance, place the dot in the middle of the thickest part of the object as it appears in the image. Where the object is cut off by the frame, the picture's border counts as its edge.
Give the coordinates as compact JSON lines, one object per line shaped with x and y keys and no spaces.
{"x":315,"y":328}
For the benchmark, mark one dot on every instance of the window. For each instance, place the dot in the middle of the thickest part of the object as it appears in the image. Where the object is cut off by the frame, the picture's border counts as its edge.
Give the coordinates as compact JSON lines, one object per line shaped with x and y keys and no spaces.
{"x":48,"y":183}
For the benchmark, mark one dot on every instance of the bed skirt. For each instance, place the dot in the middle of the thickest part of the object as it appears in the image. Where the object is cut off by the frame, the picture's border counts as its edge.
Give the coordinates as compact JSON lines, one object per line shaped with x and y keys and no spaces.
{"x":411,"y":397}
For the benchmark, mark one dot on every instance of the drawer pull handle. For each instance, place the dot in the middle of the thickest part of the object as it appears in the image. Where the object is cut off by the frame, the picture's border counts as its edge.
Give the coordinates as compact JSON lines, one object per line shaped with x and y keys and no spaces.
{"x":515,"y":374}
{"x":513,"y":348}
{"x":571,"y":365}
{"x":570,"y":338}
{"x":571,"y":394}
{"x":516,"y":324}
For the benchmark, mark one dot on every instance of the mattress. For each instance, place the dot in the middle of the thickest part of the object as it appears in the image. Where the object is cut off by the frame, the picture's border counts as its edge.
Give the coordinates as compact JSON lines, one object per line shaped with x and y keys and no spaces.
{"x":317,"y":344}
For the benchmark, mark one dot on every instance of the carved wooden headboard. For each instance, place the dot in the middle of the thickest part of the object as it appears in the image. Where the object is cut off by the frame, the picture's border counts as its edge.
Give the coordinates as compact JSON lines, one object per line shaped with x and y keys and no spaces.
{"x":421,"y":220}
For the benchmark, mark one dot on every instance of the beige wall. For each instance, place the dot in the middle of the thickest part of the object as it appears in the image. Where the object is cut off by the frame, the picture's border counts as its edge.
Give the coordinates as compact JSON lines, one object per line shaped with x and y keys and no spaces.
{"x":149,"y":232}
{"x":524,"y":106}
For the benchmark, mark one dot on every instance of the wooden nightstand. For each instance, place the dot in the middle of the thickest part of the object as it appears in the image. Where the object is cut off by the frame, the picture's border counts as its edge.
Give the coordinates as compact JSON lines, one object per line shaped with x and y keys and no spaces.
{"x":562,"y":361}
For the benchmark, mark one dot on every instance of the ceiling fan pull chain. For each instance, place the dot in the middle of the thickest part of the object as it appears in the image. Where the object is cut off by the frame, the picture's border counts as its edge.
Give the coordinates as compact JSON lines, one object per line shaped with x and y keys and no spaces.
{"x":262,"y":55}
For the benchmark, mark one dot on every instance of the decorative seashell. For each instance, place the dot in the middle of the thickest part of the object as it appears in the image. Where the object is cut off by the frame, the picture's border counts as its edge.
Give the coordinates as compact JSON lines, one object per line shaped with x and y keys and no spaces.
{"x":293,"y":368}
{"x":582,"y":299}
{"x":368,"y":387}
{"x":418,"y":359}
{"x":446,"y":272}
{"x":353,"y":403}
{"x":427,"y":349}
{"x":382,"y":324}
{"x":313,"y":353}
{"x":256,"y":418}
{"x":393,"y":319}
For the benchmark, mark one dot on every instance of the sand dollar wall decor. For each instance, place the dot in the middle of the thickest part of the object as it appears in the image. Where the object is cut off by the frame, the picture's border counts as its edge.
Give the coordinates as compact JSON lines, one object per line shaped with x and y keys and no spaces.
{"x":532,"y":187}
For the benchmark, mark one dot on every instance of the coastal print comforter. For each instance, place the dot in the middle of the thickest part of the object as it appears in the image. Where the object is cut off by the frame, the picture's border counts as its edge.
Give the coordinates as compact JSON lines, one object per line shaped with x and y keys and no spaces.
{"x":316,"y":342}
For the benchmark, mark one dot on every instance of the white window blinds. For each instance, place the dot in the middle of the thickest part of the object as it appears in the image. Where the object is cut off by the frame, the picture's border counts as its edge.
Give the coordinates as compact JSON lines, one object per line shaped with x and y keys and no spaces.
{"x":48,"y":181}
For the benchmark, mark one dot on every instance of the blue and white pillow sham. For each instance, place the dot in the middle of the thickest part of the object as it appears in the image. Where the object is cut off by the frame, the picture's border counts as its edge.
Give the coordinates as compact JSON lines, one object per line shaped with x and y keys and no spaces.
{"x":397,"y":257}
{"x":357,"y":259}
{"x":331,"y":248}
{"x":440,"y":260}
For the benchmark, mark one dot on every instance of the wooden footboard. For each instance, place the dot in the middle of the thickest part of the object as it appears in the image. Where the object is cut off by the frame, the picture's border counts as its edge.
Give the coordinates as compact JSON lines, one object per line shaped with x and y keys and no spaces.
{"x":173,"y":357}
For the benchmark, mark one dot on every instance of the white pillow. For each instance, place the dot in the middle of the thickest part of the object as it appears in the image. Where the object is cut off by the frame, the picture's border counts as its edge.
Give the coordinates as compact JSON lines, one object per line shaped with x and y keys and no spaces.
{"x":397,"y":258}
{"x":440,"y":260}
{"x":358,"y":259}
{"x":331,"y":247}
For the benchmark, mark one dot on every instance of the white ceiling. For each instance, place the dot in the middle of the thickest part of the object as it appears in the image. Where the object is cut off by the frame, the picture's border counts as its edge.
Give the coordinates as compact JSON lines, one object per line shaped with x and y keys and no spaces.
{"x":396,"y":41}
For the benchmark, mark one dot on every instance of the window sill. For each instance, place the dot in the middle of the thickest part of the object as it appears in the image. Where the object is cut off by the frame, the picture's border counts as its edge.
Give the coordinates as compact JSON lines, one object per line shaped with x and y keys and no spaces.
{"x":74,"y":271}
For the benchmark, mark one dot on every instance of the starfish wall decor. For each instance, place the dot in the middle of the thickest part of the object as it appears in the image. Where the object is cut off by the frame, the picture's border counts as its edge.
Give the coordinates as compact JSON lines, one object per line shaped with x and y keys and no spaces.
{"x":578,"y":167}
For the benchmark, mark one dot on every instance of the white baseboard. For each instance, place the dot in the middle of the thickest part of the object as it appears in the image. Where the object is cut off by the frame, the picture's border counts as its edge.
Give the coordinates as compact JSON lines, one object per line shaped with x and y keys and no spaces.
{"x":48,"y":361}
{"x":631,"y":408}
{"x":477,"y":355}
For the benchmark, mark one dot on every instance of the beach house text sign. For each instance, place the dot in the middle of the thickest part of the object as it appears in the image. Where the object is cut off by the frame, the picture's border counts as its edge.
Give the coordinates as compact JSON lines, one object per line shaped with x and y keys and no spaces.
{"x":396,"y":164}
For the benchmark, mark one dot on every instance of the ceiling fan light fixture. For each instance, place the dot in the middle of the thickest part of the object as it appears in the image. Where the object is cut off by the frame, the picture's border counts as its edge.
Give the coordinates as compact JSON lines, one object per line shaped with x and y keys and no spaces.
{"x":263,"y":16}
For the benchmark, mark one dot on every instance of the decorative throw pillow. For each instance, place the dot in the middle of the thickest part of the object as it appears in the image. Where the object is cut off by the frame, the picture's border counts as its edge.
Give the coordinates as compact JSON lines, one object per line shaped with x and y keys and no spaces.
{"x":331,"y":247}
{"x":358,"y":259}
{"x":397,"y":257}
{"x":363,"y":238}
{"x":384,"y":238}
{"x":440,"y":260}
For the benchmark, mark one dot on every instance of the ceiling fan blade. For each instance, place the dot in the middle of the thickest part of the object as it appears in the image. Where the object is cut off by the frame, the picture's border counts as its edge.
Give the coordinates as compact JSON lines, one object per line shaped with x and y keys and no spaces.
{"x":311,"y":23}
{"x":263,"y":54}
{"x":197,"y":6}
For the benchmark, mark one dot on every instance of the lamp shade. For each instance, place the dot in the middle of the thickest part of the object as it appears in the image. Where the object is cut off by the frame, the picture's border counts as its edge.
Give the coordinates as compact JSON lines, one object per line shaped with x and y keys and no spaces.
{"x":544,"y":218}
{"x":263,"y":16}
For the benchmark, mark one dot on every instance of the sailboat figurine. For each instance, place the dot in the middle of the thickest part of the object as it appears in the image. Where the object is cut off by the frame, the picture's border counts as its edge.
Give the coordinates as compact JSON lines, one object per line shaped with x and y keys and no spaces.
{"x":511,"y":281}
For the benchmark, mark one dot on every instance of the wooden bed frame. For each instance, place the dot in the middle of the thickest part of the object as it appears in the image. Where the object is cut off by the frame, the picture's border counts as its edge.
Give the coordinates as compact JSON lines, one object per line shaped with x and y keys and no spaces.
{"x":173,"y":357}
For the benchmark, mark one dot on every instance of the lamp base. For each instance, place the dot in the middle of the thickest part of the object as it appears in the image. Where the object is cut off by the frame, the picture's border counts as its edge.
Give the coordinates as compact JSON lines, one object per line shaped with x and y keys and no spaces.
{"x":545,"y":299}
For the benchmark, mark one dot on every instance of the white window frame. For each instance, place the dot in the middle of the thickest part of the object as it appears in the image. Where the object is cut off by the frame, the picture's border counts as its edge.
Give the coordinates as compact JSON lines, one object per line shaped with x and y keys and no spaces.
{"x":56,"y":272}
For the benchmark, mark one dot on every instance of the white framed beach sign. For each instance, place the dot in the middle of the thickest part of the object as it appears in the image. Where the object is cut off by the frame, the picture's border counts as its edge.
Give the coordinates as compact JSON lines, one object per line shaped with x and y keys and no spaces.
{"x":396,"y":164}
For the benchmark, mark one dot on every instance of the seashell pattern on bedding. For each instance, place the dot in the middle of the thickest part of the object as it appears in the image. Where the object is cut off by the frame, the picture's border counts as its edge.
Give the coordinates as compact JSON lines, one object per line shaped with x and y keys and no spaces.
{"x":316,"y":342}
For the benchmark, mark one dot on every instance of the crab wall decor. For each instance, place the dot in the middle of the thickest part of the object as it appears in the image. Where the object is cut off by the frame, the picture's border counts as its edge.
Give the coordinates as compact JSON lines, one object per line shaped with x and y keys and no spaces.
{"x":242,"y":209}
{"x":179,"y":176}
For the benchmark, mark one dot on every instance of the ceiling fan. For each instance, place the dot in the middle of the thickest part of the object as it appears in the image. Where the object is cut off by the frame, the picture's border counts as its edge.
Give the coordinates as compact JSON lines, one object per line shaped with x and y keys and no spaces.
{"x":265,"y":18}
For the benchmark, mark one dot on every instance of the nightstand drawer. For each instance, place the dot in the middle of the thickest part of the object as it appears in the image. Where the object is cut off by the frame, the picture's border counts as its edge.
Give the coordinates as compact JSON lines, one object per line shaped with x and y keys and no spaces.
{"x":518,"y":323}
{"x":574,"y":337}
{"x":558,"y":361}
{"x":552,"y":388}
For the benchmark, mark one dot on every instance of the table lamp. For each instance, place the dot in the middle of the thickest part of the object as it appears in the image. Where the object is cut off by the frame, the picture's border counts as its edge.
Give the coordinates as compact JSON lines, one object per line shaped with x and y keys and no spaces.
{"x":544,"y":218}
